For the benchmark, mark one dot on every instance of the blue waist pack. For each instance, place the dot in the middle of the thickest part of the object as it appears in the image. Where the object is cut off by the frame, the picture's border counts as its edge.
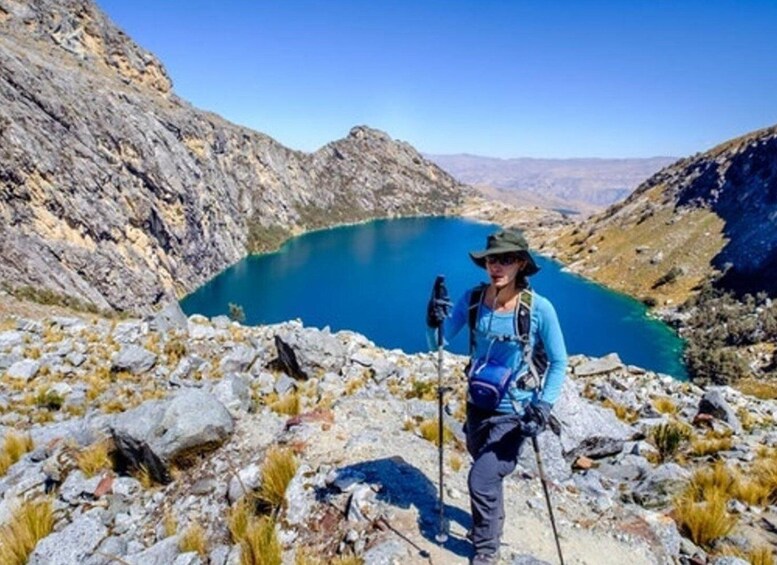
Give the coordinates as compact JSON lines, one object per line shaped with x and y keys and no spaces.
{"x":488,"y":383}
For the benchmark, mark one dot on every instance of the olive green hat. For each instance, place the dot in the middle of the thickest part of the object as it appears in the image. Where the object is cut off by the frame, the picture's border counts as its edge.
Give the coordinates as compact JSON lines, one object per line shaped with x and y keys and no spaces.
{"x":506,"y":241}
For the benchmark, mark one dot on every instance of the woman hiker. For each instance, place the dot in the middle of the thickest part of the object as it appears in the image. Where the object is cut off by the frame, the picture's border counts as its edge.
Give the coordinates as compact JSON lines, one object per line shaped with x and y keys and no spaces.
{"x":512,"y":385}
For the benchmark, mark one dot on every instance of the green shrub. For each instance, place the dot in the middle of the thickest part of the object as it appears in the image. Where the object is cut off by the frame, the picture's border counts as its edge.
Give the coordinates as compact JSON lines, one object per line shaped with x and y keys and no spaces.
{"x":667,"y":438}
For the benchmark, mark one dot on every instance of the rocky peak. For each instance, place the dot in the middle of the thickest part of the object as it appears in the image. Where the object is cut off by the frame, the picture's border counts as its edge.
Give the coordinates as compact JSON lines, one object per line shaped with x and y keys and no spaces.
{"x":80,"y":29}
{"x":122,"y":198}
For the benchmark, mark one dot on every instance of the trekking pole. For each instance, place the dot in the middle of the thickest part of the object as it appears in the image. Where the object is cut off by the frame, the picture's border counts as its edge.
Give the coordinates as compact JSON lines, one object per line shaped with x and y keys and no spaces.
{"x":442,"y":526}
{"x":543,"y":480}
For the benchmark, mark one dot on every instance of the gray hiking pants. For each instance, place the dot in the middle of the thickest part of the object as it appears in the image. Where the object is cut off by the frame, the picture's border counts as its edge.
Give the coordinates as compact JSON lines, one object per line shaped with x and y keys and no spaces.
{"x":494,"y":441}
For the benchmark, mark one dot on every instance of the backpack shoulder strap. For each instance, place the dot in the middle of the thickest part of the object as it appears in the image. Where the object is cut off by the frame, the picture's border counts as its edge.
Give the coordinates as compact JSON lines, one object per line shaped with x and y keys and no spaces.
{"x":523,"y":315}
{"x":475,"y":300}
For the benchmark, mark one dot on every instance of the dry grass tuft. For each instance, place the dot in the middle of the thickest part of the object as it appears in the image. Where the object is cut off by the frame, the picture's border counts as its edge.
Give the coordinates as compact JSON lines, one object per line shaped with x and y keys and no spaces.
{"x":664,"y":405}
{"x":14,"y":447}
{"x":668,"y":438}
{"x":29,"y":523}
{"x":425,"y":390}
{"x":347,"y":560}
{"x":709,"y":446}
{"x":95,"y":458}
{"x":144,"y":477}
{"x":170,"y":523}
{"x":260,"y":545}
{"x":238,"y":518}
{"x":193,"y":539}
{"x":288,"y":404}
{"x":430,"y":431}
{"x":705,"y":520}
{"x":456,"y":462}
{"x":280,"y":466}
{"x":761,"y":556}
{"x":623,"y":413}
{"x":760,"y":389}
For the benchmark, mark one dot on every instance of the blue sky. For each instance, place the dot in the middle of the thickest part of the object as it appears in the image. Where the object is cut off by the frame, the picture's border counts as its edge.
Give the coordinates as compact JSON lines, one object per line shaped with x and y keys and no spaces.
{"x":504,"y":78}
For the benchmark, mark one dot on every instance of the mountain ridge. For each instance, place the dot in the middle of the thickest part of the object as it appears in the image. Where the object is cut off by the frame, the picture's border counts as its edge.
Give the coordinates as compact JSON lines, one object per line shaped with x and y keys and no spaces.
{"x":117,"y":192}
{"x":583,"y":185}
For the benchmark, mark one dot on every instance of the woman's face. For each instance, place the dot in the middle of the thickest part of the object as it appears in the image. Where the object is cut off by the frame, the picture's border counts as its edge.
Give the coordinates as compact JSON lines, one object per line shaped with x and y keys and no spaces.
{"x":503,"y":268}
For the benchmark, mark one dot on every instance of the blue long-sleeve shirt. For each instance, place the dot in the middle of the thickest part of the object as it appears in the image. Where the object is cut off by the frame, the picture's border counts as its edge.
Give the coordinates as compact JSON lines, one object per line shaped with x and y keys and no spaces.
{"x":491,"y":325}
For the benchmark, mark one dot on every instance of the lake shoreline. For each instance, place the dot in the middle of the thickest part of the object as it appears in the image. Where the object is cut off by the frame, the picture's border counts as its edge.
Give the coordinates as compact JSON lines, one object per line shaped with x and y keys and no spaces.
{"x":402,"y":258}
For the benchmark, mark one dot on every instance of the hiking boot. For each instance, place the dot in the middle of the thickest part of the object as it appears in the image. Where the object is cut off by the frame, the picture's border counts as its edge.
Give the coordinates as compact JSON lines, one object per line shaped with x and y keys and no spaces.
{"x":485,"y":559}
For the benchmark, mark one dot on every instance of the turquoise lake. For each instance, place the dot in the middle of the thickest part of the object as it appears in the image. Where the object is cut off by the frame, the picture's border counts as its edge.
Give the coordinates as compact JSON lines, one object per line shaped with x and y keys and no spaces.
{"x":375,"y":279}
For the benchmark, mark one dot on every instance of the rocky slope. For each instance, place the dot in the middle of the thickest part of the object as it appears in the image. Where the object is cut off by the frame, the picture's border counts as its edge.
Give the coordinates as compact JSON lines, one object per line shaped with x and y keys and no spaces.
{"x":115,"y":191}
{"x":708,"y":219}
{"x":709,"y":213}
{"x":194,"y":411}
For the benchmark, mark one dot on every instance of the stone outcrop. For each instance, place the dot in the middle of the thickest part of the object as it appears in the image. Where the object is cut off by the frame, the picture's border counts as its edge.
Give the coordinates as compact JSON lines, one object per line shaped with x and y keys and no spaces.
{"x":200,"y":421}
{"x":116,"y":192}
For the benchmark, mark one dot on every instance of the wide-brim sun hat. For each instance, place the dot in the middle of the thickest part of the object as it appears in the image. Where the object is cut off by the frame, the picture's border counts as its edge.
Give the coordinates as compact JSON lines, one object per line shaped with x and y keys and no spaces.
{"x":506,"y":241}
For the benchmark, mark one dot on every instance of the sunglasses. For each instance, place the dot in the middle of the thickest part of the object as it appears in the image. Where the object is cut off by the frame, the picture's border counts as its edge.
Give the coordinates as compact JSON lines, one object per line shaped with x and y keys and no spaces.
{"x":501,"y":259}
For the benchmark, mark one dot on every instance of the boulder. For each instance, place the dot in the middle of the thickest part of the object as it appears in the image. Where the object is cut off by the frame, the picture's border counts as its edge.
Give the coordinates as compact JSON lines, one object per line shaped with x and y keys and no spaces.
{"x":171,"y":317}
{"x":660,"y":484}
{"x":300,"y":497}
{"x":233,"y":392}
{"x":128,"y":332}
{"x":163,"y":553}
{"x":317,"y":351}
{"x":134,"y":359}
{"x":606,"y":364}
{"x":582,"y":421}
{"x":596,"y":448}
{"x":72,"y":544}
{"x":24,"y":370}
{"x":9,"y":340}
{"x":714,"y":404}
{"x":238,"y":359}
{"x":247,"y":480}
{"x":158,"y":433}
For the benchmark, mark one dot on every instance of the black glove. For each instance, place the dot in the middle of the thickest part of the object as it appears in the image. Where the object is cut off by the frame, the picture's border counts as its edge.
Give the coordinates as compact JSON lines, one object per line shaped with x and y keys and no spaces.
{"x":535,"y":418}
{"x":439,"y":306}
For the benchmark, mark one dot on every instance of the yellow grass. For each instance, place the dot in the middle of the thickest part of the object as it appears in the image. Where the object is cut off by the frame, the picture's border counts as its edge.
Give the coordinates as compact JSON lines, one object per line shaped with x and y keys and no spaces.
{"x":718,"y":479}
{"x":701,"y":447}
{"x":238,"y":519}
{"x":706,"y":520}
{"x":622,"y":412}
{"x":761,"y":556}
{"x":170,"y":523}
{"x":664,"y":405}
{"x":430,"y":431}
{"x":14,"y":447}
{"x":143,"y":475}
{"x":760,"y":389}
{"x":29,"y":523}
{"x":113,"y":406}
{"x":455,"y":461}
{"x":260,"y":545}
{"x":280,"y":466}
{"x":288,"y":404}
{"x":94,"y":458}
{"x":193,"y":539}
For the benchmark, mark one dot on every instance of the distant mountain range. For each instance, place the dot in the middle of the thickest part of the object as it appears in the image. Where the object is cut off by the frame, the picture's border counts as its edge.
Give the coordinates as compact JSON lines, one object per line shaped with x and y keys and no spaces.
{"x":572,"y":185}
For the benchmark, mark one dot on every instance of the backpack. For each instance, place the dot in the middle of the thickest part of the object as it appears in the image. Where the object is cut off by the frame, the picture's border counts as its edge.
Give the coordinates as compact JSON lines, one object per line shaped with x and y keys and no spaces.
{"x":536,"y":359}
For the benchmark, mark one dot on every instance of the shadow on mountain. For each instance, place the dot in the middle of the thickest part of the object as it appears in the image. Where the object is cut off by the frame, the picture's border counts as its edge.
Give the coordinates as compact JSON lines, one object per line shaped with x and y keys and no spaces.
{"x":405,"y":486}
{"x":746,"y":201}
